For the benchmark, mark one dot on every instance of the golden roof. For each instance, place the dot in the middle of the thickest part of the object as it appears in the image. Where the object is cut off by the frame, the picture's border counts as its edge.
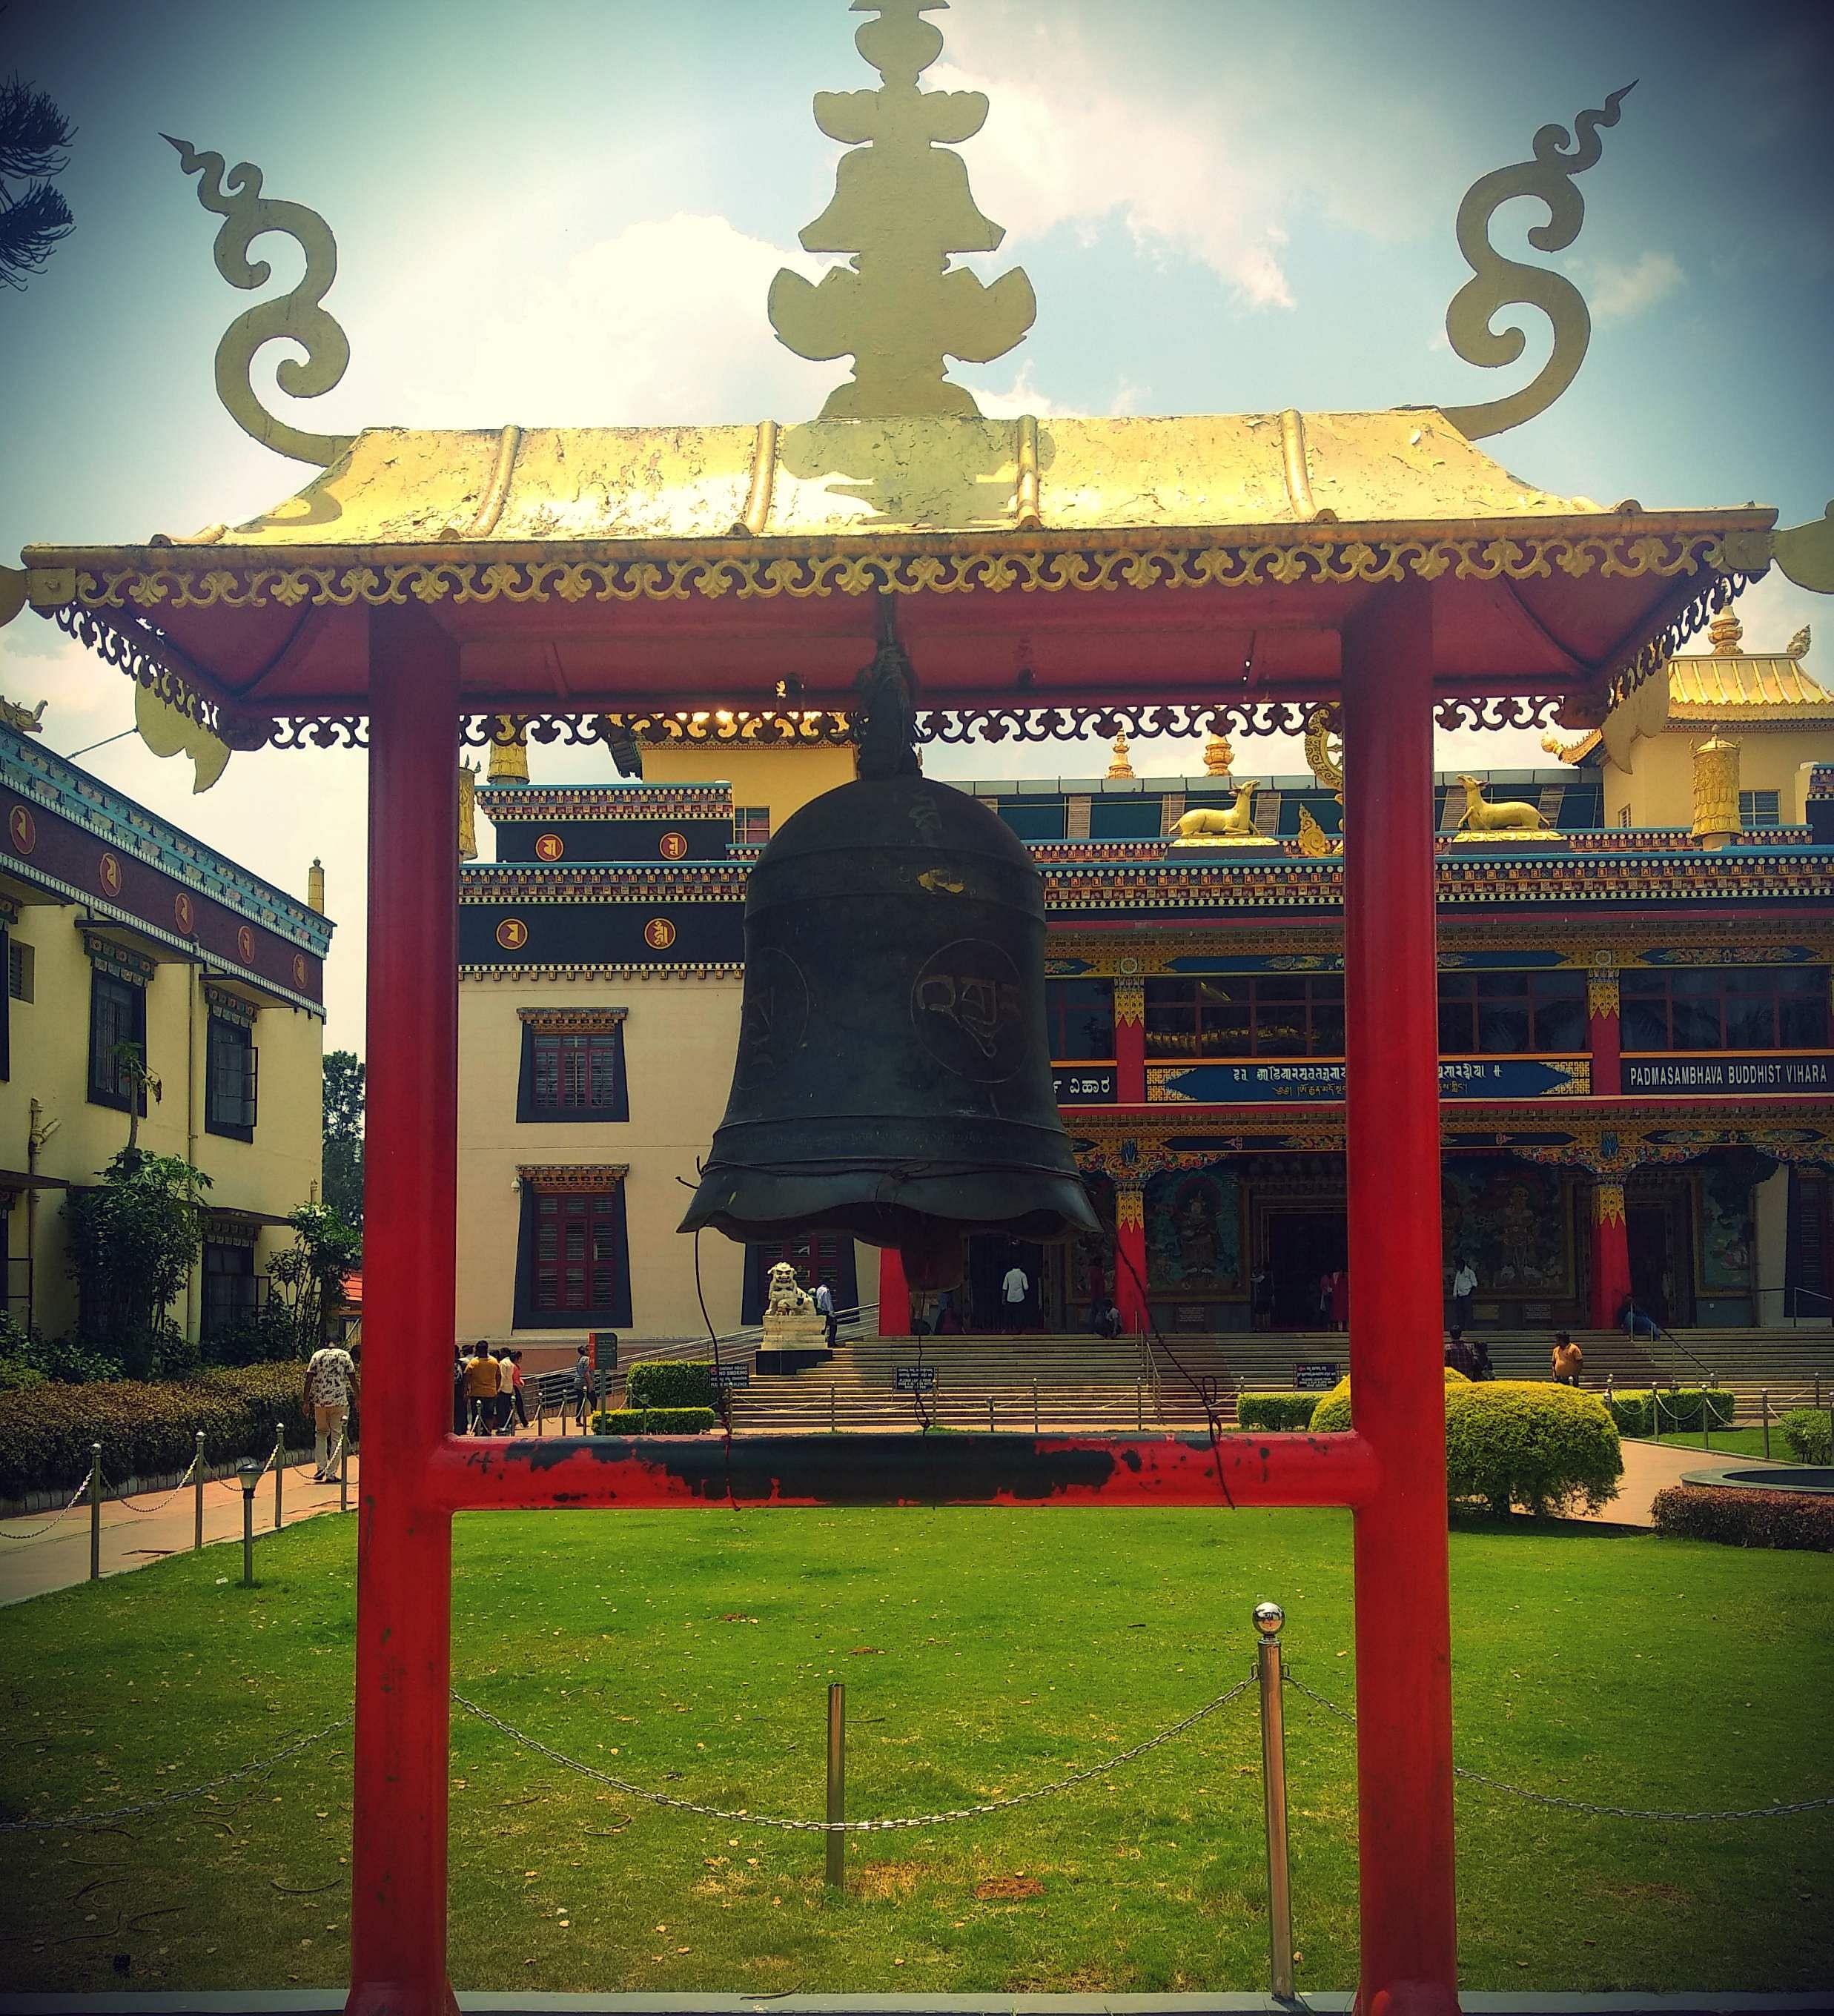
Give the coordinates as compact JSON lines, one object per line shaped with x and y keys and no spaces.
{"x":1725,"y":686}
{"x":398,"y":487}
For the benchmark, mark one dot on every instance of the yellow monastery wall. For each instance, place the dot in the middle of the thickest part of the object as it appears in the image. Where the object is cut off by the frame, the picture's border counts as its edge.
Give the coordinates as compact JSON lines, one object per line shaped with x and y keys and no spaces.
{"x":679,"y":1039}
{"x":1660,"y":790}
{"x":783,"y":779}
{"x":273,"y":1174}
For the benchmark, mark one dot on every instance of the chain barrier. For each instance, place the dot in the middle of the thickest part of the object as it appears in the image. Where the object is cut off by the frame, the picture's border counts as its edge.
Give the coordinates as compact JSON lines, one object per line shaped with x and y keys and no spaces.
{"x":1565,"y":1805}
{"x":141,"y":1511}
{"x":32,"y":1532}
{"x":79,"y":1822}
{"x":904,"y":1822}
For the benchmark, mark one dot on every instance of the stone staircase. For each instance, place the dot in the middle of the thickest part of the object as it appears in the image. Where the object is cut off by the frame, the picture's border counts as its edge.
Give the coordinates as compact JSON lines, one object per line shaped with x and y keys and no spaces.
{"x":1083,"y":1384}
{"x":1087,"y":1385}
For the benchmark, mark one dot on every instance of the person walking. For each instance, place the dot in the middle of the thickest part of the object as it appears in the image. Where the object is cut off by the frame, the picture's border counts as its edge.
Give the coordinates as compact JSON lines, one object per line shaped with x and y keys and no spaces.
{"x":581,"y":1391}
{"x":824,"y":1307}
{"x":1340,"y":1299}
{"x":1261,"y":1297}
{"x":506,"y":1391}
{"x":1569,"y":1360}
{"x":1463,"y":1287}
{"x":1013,"y":1291}
{"x":324,"y":1400}
{"x":521,"y":1404}
{"x":481,"y":1390}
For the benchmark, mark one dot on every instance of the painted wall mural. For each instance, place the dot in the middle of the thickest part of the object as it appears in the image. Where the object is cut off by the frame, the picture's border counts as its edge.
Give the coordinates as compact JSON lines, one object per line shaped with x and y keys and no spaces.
{"x":1510,"y":1219}
{"x":1194,"y":1233}
{"x":1727,"y":1231}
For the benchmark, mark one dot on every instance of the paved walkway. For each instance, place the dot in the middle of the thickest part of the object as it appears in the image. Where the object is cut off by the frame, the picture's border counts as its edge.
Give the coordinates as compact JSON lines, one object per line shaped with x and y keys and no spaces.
{"x":1653,"y":1467}
{"x":52,"y":1556}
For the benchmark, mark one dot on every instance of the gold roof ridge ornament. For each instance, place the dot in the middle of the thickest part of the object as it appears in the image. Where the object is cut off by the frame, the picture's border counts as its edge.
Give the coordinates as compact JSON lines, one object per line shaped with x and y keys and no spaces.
{"x":902,"y":206}
{"x":1499,"y":282}
{"x":297,"y":317}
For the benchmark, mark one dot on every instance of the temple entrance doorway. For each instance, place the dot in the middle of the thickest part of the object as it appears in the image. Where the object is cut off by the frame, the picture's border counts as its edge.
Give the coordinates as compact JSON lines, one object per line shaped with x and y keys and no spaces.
{"x":1302,"y":1246}
{"x":990,"y":1255}
{"x":1659,"y":1223}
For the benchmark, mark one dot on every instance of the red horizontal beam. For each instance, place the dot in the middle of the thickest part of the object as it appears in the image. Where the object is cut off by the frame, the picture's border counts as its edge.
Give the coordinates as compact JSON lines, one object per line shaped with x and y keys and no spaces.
{"x":476,"y":1474}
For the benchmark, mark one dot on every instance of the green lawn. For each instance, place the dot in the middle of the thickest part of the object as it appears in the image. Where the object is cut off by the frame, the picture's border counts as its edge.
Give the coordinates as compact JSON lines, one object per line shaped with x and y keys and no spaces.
{"x":984,"y":1652}
{"x":1729,"y":1441}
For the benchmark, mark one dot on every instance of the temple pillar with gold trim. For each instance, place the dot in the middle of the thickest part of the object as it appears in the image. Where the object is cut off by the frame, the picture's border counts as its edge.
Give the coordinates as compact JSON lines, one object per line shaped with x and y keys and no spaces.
{"x":1130,"y":1043}
{"x":1130,"y":1296}
{"x":1610,"y":1252}
{"x":1604,"y":1027}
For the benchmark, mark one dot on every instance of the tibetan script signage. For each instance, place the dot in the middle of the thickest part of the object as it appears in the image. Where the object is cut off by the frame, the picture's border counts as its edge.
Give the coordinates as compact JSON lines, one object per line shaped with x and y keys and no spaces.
{"x":1304,"y":1084}
{"x":1692,"y":1076}
{"x":1084,"y":1084}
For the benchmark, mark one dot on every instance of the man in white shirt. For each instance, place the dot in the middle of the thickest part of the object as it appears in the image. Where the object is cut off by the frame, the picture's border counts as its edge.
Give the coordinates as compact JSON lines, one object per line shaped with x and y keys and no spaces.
{"x":506,"y":1392}
{"x":1463,"y":1287}
{"x":824,"y":1307}
{"x":1014,"y":1291}
{"x":330,"y":1387}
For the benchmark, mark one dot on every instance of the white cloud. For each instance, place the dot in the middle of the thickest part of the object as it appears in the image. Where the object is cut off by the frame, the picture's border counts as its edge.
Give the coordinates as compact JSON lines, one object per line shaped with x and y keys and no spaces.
{"x":1617,"y":294}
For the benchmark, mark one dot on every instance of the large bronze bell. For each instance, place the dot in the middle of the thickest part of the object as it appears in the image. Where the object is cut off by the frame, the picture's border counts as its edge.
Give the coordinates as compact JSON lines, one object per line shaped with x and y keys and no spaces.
{"x":893,"y":1079}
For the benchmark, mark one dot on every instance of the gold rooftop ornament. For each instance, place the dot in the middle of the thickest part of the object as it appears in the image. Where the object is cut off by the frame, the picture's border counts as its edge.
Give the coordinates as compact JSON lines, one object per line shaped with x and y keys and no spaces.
{"x":901,"y":206}
{"x":294,"y":318}
{"x":1499,"y":282}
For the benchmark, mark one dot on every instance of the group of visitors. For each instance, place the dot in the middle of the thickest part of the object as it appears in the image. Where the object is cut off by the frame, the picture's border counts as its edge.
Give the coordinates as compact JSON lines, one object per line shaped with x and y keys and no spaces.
{"x":1470,"y":1356}
{"x":486,"y":1390}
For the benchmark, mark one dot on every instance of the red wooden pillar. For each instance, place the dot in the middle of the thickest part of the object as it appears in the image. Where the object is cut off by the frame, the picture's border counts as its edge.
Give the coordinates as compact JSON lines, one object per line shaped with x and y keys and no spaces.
{"x":1130,"y":1296}
{"x":894,"y":1293}
{"x":1130,"y":1043}
{"x":1403,"y":1630}
{"x":404,"y":1573}
{"x":1603,"y":1030}
{"x":1610,"y":1252}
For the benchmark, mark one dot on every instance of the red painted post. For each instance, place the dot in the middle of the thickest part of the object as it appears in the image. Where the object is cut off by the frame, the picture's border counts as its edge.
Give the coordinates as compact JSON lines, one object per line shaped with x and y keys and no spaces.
{"x":1130,"y":1043}
{"x":404,"y":1576}
{"x":1409,"y":1963}
{"x":1130,"y":1296}
{"x":1610,"y":1252}
{"x":1603,"y":1030}
{"x":894,"y":1294}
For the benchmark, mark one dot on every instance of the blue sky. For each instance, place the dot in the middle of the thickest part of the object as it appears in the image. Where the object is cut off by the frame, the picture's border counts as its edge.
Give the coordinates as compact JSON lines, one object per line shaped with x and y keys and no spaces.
{"x":569,"y":214}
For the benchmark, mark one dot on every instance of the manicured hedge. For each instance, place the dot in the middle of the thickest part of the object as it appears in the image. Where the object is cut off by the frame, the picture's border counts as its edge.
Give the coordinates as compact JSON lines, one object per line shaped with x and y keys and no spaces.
{"x":1273,"y":1412}
{"x":1682,"y":1407}
{"x":653,"y":1421}
{"x":1806,"y":1435}
{"x":1745,"y":1518}
{"x":146,"y":1430}
{"x":670,"y":1382}
{"x":1516,"y":1442}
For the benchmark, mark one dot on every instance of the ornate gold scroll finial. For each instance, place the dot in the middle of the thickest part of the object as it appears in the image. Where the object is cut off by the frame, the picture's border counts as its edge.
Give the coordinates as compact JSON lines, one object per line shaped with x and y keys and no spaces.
{"x":1500,"y":282}
{"x":1218,"y":757}
{"x":1797,"y":646}
{"x":294,"y":318}
{"x":1122,"y":766}
{"x":1725,"y":633}
{"x":901,"y":206}
{"x":1324,"y":758}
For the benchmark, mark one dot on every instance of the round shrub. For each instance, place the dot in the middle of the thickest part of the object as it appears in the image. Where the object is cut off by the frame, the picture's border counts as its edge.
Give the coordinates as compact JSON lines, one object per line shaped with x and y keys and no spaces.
{"x":1806,"y":1434}
{"x":1745,"y":1518}
{"x":1333,"y":1413}
{"x":1516,"y":1442}
{"x":1273,"y":1412}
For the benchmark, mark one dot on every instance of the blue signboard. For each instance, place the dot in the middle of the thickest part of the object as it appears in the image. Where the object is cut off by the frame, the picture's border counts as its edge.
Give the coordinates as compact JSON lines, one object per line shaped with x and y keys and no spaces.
{"x":1692,"y":1076}
{"x":1307,"y":1084}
